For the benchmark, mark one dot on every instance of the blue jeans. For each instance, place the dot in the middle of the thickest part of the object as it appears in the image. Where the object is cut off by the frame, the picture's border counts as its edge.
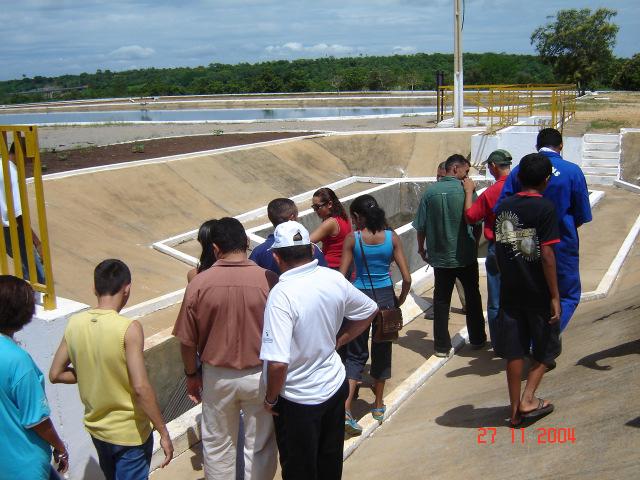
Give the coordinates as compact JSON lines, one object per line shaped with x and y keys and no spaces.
{"x":120,"y":462}
{"x":493,"y":290}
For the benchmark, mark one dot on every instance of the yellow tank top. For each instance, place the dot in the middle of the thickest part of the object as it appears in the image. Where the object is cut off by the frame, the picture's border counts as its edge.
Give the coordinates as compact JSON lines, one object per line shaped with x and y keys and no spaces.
{"x":95,"y":340}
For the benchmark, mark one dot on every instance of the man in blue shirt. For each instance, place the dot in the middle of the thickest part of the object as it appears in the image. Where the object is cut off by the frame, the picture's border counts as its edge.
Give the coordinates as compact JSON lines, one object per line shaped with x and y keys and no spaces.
{"x":279,"y":211}
{"x":567,"y":189}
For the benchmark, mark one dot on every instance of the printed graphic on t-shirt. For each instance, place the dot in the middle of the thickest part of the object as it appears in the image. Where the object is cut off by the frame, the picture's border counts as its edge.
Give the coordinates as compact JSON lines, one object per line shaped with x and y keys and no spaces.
{"x":521,"y":241}
{"x":267,"y":338}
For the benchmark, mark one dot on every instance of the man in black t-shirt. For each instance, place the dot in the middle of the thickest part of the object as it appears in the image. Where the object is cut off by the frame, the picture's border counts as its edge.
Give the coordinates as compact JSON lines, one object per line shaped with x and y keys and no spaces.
{"x":526,"y":230}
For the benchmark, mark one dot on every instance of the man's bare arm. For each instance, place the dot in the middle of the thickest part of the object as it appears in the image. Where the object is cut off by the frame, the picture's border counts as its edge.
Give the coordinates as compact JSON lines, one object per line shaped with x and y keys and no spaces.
{"x":193,"y":374}
{"x":144,"y":394}
{"x":276,"y":376}
{"x":550,"y":275}
{"x":421,"y":238}
{"x":350,"y":329}
{"x":61,"y":370}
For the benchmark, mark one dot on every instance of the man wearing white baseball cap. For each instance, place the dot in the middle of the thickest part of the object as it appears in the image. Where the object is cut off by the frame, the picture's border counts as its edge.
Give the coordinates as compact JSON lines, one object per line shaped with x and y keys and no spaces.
{"x":306,"y":382}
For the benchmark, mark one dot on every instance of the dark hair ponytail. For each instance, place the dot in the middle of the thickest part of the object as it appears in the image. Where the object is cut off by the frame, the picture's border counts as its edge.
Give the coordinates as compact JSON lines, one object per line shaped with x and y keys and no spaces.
{"x":367,"y":207}
{"x":205,"y":239}
{"x":327,"y":195}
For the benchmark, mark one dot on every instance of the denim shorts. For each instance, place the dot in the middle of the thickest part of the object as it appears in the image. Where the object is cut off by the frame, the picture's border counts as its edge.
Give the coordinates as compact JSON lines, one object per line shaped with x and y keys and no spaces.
{"x":520,"y":329}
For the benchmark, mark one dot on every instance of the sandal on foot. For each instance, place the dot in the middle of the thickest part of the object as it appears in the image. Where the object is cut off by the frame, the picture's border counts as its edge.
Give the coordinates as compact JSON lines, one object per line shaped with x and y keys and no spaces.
{"x":519,"y":423}
{"x":540,"y":411}
{"x":351,"y":427}
{"x":378,"y":413}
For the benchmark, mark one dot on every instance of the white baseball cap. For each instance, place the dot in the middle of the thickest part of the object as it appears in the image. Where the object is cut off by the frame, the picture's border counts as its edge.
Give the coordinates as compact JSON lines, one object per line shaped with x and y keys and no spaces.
{"x":290,"y":234}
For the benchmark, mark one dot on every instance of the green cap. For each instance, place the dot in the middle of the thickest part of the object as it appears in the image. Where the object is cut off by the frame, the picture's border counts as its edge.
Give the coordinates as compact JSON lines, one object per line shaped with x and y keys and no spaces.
{"x":499,"y":157}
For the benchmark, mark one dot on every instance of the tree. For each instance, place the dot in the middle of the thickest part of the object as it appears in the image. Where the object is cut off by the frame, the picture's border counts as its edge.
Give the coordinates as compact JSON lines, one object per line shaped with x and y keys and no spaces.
{"x":578,"y":45}
{"x":628,"y":76}
{"x":412,"y":79}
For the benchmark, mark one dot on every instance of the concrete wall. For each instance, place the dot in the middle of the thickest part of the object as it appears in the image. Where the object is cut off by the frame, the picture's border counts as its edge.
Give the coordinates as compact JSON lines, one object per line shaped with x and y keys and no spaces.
{"x":519,"y":142}
{"x":159,"y":199}
{"x":630,"y":155}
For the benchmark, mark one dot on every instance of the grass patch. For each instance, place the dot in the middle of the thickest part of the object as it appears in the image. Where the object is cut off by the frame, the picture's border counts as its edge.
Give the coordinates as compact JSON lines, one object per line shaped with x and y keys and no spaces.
{"x":137,"y":148}
{"x":607,"y":124}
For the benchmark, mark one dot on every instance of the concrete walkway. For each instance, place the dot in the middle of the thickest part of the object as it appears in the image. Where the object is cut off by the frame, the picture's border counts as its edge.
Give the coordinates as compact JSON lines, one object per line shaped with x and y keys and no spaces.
{"x":595,"y":388}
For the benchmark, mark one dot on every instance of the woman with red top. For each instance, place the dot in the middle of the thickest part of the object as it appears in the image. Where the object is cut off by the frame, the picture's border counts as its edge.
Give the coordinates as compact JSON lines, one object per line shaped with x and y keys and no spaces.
{"x":334,"y":228}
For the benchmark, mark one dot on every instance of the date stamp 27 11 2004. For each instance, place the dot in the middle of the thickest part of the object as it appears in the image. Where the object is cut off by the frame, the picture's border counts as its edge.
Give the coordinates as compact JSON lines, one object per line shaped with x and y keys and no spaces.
{"x":542,"y":435}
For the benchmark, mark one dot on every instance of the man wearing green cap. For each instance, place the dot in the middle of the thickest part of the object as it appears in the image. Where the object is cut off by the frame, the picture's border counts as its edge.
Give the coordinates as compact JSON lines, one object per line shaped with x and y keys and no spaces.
{"x":499,"y":165}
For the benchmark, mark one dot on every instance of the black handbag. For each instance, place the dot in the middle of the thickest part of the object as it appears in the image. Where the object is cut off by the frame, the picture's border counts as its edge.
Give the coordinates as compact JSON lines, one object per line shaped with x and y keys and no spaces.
{"x":388,"y":322}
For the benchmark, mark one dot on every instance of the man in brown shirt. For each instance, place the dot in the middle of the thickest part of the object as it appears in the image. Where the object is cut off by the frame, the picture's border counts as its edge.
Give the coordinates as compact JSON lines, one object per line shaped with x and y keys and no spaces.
{"x":221,"y":320}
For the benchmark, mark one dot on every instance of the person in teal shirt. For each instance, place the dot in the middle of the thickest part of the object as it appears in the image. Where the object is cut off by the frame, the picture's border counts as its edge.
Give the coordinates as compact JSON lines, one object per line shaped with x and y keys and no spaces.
{"x":451,"y":250}
{"x":25,"y":425}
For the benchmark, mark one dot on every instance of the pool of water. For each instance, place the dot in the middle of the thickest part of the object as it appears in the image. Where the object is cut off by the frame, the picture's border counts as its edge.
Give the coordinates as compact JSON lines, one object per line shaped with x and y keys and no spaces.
{"x":204,"y":115}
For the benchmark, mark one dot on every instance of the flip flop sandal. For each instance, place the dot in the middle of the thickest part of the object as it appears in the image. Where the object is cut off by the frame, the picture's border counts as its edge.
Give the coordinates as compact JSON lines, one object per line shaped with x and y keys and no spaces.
{"x":540,"y":411}
{"x":519,"y":424}
{"x":351,"y":427}
{"x":378,"y":413}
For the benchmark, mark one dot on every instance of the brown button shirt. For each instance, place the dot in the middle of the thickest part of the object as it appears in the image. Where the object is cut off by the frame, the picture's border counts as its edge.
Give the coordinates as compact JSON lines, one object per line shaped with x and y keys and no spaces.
{"x":222,"y":313}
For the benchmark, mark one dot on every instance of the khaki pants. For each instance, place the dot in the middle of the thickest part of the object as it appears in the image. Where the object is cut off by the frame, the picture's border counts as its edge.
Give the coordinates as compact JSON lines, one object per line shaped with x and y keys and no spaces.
{"x":225,"y":392}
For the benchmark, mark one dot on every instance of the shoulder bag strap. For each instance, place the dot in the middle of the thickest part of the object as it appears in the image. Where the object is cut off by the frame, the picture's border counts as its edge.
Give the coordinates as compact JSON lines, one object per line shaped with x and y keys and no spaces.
{"x":364,"y":259}
{"x":395,"y":297}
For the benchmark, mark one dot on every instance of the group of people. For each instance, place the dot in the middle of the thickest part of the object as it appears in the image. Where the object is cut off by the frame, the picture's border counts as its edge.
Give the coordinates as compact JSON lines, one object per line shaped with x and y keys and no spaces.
{"x":531,"y":217}
{"x":270,"y":335}
{"x":282,"y":335}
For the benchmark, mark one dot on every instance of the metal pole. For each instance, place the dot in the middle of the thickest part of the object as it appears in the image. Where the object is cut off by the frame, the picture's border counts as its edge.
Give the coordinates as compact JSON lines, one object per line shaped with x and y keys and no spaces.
{"x":458,"y":84}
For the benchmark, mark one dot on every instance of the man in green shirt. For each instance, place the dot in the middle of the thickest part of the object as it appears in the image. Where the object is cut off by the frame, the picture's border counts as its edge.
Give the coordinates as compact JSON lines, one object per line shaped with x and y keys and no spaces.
{"x":451,"y":250}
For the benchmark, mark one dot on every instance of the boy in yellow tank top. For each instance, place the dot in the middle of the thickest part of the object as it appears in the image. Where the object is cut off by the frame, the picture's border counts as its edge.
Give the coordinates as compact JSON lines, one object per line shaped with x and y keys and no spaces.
{"x":102,"y":352}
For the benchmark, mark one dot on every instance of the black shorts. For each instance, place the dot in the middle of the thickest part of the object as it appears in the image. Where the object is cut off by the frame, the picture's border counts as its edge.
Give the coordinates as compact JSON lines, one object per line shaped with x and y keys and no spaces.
{"x":521,"y":329}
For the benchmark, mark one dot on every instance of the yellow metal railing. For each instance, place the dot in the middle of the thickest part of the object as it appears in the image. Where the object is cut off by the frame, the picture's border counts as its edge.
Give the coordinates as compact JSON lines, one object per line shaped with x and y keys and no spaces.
{"x":25,"y":141}
{"x":499,"y":106}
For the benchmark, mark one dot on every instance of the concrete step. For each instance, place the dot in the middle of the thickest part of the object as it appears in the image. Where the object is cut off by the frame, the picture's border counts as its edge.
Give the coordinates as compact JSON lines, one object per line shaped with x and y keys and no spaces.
{"x":600,"y":170}
{"x":600,"y":147}
{"x":600,"y":162}
{"x":600,"y":179}
{"x":601,"y":138}
{"x":591,"y":154}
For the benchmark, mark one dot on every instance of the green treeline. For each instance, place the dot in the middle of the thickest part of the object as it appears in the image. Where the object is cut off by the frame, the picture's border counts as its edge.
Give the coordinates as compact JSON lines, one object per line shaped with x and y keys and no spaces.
{"x":397,"y":72}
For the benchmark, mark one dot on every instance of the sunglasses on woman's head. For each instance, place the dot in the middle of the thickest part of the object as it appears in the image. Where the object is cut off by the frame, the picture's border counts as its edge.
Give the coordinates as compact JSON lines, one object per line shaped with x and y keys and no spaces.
{"x":318,"y":206}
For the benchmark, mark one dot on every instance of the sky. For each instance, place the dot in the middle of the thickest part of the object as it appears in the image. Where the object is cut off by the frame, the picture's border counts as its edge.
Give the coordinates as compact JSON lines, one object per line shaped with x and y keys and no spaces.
{"x":56,"y":37}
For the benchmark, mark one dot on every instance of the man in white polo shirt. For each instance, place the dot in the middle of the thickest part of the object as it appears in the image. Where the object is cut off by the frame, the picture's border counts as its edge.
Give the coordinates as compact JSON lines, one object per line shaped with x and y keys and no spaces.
{"x":306,"y":382}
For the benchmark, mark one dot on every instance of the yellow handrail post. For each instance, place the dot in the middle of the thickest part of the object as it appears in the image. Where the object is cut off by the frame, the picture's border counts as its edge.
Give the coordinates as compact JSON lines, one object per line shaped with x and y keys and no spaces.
{"x":25,"y":139}
{"x":4,"y":158}
{"x":20,"y":154}
{"x":49,"y":294}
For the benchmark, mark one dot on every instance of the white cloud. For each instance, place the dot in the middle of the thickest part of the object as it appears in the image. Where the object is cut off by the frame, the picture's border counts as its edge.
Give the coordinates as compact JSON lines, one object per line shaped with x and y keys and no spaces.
{"x":404,"y":50}
{"x":117,"y":34}
{"x":131,"y":52}
{"x":317,"y":49}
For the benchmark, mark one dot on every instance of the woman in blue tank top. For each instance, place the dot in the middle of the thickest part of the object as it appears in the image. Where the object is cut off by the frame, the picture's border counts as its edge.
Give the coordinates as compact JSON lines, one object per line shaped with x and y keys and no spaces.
{"x":381,"y":246}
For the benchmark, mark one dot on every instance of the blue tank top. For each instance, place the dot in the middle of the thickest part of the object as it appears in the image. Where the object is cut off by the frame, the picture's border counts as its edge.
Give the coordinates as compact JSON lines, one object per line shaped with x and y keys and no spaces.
{"x":379,"y":258}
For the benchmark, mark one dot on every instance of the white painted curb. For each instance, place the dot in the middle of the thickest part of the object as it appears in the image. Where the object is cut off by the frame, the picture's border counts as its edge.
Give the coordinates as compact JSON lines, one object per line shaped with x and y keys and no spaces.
{"x":614,"y":269}
{"x":403,"y":391}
